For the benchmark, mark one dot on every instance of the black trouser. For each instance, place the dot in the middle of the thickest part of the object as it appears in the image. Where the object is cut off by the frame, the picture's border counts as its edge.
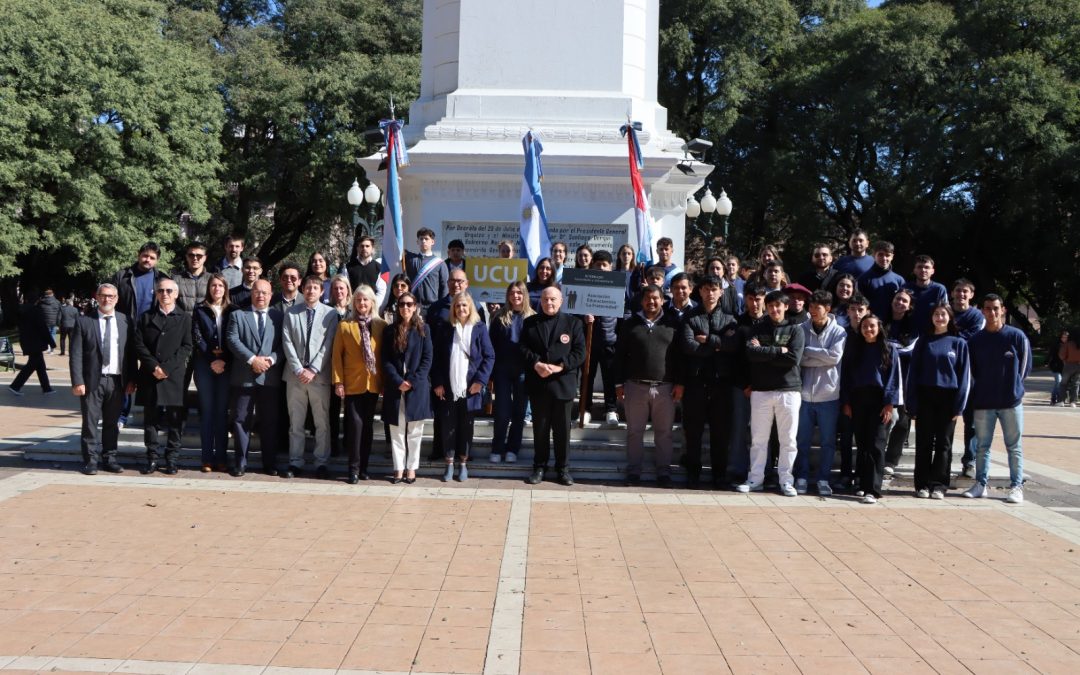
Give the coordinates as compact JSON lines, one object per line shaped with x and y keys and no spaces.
{"x":869,"y":431}
{"x":172,"y":418}
{"x":65,"y":334}
{"x":35,"y":363}
{"x":261,"y":403}
{"x":359,"y":429}
{"x":968,"y":458}
{"x":707,"y":403}
{"x":898,"y":436}
{"x":457,"y":428}
{"x":436,"y":431}
{"x":551,"y":417}
{"x":933,"y":438}
{"x":603,"y":359}
{"x":335,"y":426}
{"x":101,"y":404}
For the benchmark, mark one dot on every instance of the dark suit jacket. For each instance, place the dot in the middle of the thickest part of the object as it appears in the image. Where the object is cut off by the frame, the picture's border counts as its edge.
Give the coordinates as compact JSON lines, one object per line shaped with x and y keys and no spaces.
{"x":565,"y":346}
{"x":86,"y":350}
{"x":34,"y":335}
{"x":412,"y":365}
{"x":481,"y":361}
{"x":239,"y":297}
{"x":206,"y":337}
{"x":164,"y":341}
{"x":242,"y":336}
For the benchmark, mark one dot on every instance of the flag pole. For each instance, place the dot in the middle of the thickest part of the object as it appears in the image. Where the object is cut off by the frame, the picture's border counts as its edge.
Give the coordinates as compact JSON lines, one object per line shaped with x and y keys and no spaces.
{"x":584,"y":405}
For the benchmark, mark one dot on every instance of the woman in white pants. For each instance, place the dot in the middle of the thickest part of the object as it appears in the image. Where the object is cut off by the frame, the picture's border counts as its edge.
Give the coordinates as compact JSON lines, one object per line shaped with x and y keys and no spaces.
{"x":406,"y":355}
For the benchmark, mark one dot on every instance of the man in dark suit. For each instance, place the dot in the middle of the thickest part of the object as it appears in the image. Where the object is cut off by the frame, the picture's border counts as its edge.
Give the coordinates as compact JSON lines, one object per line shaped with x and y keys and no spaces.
{"x":102,"y":370}
{"x":553,"y":346}
{"x":163,"y":345}
{"x":240,"y":295}
{"x":254,"y":337}
{"x":35,"y":339}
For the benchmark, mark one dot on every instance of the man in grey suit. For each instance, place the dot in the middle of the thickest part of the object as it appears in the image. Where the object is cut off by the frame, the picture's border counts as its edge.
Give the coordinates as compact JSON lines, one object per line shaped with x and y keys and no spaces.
{"x":307,"y":340}
{"x":254,"y":337}
{"x":102,"y":370}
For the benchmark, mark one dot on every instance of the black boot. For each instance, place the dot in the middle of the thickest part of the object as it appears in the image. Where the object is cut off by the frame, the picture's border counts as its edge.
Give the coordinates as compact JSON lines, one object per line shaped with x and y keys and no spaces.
{"x":537,"y":476}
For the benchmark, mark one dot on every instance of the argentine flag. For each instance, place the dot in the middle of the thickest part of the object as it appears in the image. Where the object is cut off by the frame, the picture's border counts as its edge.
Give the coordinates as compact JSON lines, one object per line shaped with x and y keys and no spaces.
{"x":536,"y":243}
{"x":393,"y":238}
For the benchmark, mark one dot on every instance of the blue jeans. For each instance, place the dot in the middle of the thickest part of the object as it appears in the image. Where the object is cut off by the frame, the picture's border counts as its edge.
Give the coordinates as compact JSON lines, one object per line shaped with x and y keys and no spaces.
{"x":510,"y":403}
{"x":1055,"y":393}
{"x":823,"y":414}
{"x":1012,"y":428}
{"x":213,"y":412}
{"x":739,"y":453}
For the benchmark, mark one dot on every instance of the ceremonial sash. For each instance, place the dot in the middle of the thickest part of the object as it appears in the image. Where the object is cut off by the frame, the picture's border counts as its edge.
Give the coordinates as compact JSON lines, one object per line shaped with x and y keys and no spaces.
{"x":430,"y":266}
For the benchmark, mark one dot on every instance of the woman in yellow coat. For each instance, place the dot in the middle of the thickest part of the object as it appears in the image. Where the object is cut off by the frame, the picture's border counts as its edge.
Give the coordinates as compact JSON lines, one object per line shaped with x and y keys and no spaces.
{"x":357,"y":377}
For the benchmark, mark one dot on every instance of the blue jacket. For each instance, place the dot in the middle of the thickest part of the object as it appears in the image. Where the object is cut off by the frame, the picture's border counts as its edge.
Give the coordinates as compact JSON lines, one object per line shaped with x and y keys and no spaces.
{"x":242,"y":336}
{"x":481,"y":362}
{"x":862,"y":368}
{"x":879,"y":286}
{"x":969,"y":322}
{"x":412,"y":365}
{"x":206,"y":336}
{"x":856,"y":267}
{"x":940,"y":361}
{"x":504,"y":340}
{"x":924,"y":300}
{"x":1000,"y":361}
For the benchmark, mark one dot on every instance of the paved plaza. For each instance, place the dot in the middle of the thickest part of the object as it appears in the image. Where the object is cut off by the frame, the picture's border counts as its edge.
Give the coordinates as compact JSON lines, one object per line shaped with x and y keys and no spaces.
{"x":194,"y":574}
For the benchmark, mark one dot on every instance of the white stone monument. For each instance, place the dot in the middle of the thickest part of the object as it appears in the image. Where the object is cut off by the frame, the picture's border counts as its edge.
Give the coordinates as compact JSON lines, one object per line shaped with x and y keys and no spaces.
{"x":573,"y":72}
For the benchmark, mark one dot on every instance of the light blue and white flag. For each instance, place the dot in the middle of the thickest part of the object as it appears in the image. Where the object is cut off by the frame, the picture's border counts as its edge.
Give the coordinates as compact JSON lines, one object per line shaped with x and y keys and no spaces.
{"x":642,"y":217}
{"x":393,"y":237}
{"x":535,"y":242}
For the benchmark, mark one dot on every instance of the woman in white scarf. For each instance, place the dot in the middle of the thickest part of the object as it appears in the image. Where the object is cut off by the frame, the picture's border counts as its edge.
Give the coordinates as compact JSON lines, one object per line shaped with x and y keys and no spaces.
{"x":463,"y":361}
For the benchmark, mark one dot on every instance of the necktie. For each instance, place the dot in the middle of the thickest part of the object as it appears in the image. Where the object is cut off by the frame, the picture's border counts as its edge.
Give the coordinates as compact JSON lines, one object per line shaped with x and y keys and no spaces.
{"x":262,"y":325}
{"x":106,"y":347}
{"x":307,"y":346}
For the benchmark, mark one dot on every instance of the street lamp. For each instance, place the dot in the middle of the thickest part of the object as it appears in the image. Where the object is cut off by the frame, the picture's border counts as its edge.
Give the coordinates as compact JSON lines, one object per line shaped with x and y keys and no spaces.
{"x":709,"y":205}
{"x":693,"y":208}
{"x":357,"y":197}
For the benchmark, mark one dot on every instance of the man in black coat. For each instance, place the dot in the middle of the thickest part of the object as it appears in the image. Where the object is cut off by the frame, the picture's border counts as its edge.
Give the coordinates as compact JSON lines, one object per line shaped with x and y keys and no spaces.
{"x":35,"y":339}
{"x":163,"y":345}
{"x":553,"y":346}
{"x":102,"y":370}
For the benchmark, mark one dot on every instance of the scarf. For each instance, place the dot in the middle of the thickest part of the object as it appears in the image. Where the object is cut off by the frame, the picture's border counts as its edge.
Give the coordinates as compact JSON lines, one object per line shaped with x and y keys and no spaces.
{"x":365,"y":341}
{"x":459,"y":361}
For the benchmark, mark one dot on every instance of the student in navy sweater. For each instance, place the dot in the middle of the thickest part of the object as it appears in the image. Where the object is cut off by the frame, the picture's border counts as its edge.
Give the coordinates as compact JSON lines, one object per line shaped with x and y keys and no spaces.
{"x":1000,"y":362}
{"x":937,"y":389}
{"x":969,"y":321}
{"x":880,"y":283}
{"x":870,"y":390}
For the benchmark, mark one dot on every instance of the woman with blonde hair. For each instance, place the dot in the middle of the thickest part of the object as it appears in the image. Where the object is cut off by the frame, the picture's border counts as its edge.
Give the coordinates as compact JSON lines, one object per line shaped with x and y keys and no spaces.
{"x":462,"y":363}
{"x":511,"y":400}
{"x":357,"y":377}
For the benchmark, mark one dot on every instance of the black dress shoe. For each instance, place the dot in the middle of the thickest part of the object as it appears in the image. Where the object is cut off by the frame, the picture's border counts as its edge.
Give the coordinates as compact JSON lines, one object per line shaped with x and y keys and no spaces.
{"x":410,"y":481}
{"x":296,"y":471}
{"x":322,"y":473}
{"x":536,"y":477}
{"x":286,"y":473}
{"x":170,"y":469}
{"x":90,"y":469}
{"x":394,"y":480}
{"x":632,"y":479}
{"x":150,"y":468}
{"x":270,"y":472}
{"x":237,"y":473}
{"x":692,"y":481}
{"x":113,"y":467}
{"x":663,"y":481}
{"x":565,"y":478}
{"x":353,"y":479}
{"x":364,"y":476}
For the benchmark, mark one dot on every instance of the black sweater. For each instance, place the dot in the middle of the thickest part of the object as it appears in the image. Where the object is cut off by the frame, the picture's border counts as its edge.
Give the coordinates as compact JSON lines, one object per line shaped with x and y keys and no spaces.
{"x":644,"y":353}
{"x":771,"y":369}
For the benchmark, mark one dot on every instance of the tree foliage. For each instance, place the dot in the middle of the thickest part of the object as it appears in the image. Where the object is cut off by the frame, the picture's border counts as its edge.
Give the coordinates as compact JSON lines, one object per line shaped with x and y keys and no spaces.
{"x":108,"y":132}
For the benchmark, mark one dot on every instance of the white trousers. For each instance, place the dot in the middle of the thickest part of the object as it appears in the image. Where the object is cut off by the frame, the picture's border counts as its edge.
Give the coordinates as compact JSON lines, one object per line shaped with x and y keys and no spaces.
{"x":405,"y":438}
{"x":765,"y":407}
{"x":298,"y":397}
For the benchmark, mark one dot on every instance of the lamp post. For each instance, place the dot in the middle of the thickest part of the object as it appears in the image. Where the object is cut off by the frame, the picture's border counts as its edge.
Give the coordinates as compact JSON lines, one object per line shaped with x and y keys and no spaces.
{"x":709,"y":205}
{"x":356,"y":197}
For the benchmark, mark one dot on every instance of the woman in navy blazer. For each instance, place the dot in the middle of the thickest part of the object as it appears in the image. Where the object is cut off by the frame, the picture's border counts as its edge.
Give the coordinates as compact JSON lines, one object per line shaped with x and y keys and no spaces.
{"x":406,"y":356}
{"x":212,"y":358}
{"x":464,"y":359}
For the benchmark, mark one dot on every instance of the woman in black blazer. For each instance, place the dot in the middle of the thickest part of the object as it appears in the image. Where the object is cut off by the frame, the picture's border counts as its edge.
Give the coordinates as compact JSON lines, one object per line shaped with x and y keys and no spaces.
{"x":462,"y":367}
{"x":212,"y":359}
{"x":406,"y":355}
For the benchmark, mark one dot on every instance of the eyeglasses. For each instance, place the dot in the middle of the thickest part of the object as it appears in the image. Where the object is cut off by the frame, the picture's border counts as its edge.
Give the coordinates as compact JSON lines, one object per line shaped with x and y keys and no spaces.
{"x":290,"y":277}
{"x":167,"y":291}
{"x":196,"y":255}
{"x":111,"y":296}
{"x":406,"y":304}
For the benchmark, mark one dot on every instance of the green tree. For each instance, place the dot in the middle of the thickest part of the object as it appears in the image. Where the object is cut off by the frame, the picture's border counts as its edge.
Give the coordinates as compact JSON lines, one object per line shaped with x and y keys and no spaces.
{"x":108,"y":133}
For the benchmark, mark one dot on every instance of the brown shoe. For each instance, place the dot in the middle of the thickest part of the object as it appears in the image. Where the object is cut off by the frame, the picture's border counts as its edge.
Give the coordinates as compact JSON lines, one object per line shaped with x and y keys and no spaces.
{"x":206,"y":468}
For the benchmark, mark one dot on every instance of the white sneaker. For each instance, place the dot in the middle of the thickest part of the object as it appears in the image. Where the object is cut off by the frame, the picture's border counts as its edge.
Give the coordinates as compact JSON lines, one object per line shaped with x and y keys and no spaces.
{"x":511,"y":458}
{"x":800,"y":485}
{"x":495,"y":458}
{"x":859,"y":493}
{"x":750,"y":487}
{"x":1072,"y":405}
{"x":937,"y":494}
{"x":1016,"y":495}
{"x":890,"y":470}
{"x":824,"y":489}
{"x":586,"y":419}
{"x":788,"y":490}
{"x":922,"y":494}
{"x":869,"y":499}
{"x":976,"y":491}
{"x":612,"y":420}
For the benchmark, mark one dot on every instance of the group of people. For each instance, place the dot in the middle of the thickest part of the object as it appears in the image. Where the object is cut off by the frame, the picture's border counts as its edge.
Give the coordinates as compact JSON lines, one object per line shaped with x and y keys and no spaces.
{"x":852,"y":350}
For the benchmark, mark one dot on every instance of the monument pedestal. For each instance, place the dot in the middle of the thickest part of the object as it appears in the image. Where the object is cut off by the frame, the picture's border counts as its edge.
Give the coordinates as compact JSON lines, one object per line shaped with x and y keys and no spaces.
{"x":573,"y":73}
